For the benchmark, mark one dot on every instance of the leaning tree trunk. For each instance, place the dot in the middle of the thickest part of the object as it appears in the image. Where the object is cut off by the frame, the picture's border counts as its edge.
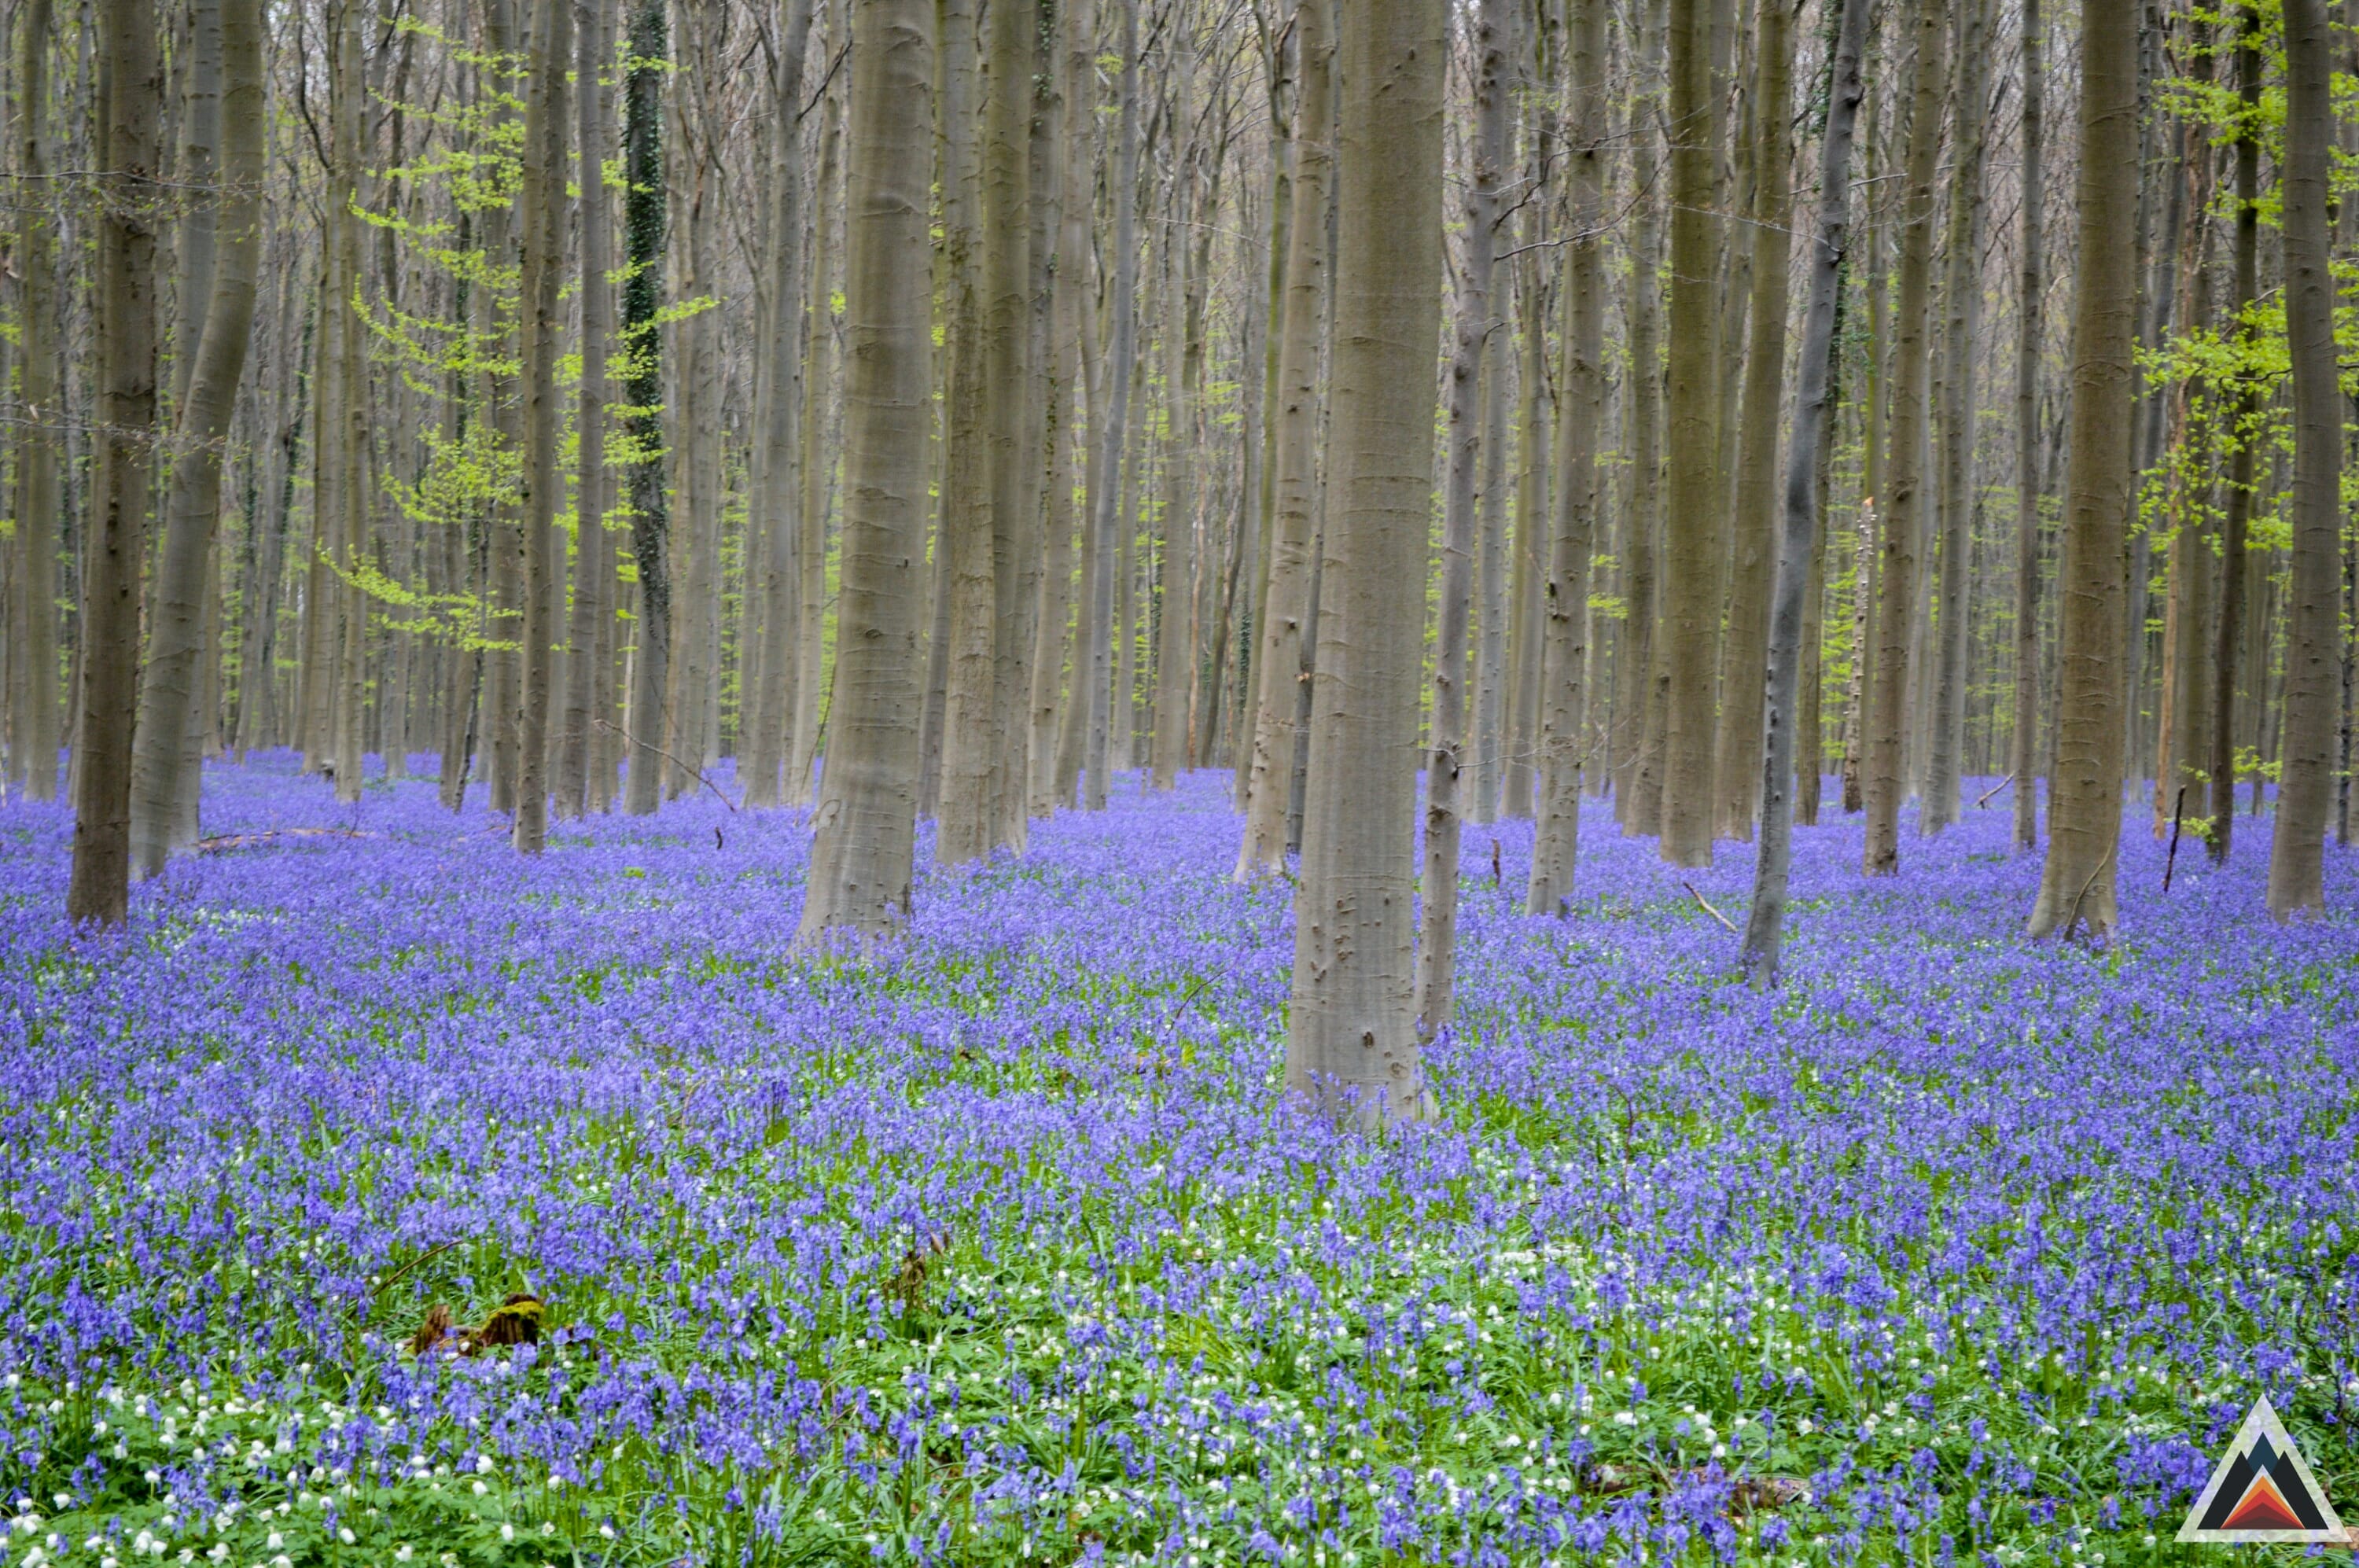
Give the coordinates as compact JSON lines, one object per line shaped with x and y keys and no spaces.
{"x":644,"y":224}
{"x":1765,"y":927}
{"x":2076,"y":883}
{"x":33,"y":661}
{"x":862,"y":856}
{"x":544,"y":267}
{"x":1753,"y":563}
{"x":1351,"y":1040}
{"x":1437,"y":941}
{"x":193,"y":506}
{"x":2237,"y":515}
{"x":98,"y":889}
{"x":2024,"y":751}
{"x":1581,"y":406}
{"x":1904,"y":498}
{"x":2306,"y":754}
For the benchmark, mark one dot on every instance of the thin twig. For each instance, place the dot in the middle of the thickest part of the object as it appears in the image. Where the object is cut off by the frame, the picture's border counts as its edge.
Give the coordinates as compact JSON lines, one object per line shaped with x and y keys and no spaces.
{"x":1993,"y":791}
{"x":422,"y":1257}
{"x":1708,"y":909}
{"x":700,"y":778}
{"x":2171,"y":861}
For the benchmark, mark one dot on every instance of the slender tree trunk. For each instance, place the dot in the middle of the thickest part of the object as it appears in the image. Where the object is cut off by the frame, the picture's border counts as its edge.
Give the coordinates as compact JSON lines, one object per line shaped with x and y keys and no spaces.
{"x":1643,"y":697}
{"x":1175,"y":660}
{"x":1491,"y":580}
{"x":580,"y":788}
{"x":544,"y":268}
{"x":960,"y":550}
{"x":1904,"y":498}
{"x":2022,"y":755}
{"x":33,"y":653}
{"x":1765,"y":927}
{"x":2237,"y":514}
{"x":818,"y":461}
{"x":2313,"y":635}
{"x":1278,"y":663}
{"x":98,"y":889}
{"x":2076,"y":886}
{"x":1052,"y":697}
{"x":1580,"y":399}
{"x":193,"y":506}
{"x":1945,"y":760}
{"x":864,"y":851}
{"x":1107,"y":516}
{"x":1754,"y":561}
{"x":1437,"y":941}
{"x":644,"y":220}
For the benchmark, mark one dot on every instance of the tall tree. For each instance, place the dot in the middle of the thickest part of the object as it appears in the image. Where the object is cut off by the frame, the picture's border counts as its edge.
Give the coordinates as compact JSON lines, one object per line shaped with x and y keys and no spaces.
{"x":99,"y":888}
{"x":2306,"y":755}
{"x":1580,"y":407}
{"x":32,"y":610}
{"x":1903,"y":500}
{"x":193,"y":505}
{"x":2076,"y":883}
{"x":2030,"y":285}
{"x":1113,"y":414}
{"x":1765,"y":927}
{"x":644,"y":224}
{"x":2236,"y":514}
{"x":1351,"y":1038}
{"x":1437,"y":941}
{"x":863,"y":855}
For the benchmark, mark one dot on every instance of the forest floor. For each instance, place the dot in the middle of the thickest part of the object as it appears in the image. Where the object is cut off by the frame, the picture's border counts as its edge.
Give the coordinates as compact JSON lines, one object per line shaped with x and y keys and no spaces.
{"x":1003,"y":1247}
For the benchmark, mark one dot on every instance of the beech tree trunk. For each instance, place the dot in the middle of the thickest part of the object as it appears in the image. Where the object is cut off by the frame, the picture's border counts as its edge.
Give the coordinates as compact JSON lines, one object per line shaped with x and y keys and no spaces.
{"x":2023,"y":752}
{"x":2312,"y":633}
{"x":32,"y":610}
{"x":544,"y":270}
{"x":98,"y":889}
{"x":645,"y":218}
{"x":1112,"y":412}
{"x":1903,"y":499}
{"x":1352,"y":1041}
{"x":1765,"y":926}
{"x":1437,"y":941}
{"x":2076,"y":884}
{"x":864,"y":851}
{"x":2236,"y":514}
{"x":184,"y":585}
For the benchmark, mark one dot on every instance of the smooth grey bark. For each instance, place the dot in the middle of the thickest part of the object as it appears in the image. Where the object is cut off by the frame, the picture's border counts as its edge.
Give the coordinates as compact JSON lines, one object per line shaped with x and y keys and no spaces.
{"x":1112,"y":412}
{"x":2076,"y":883}
{"x":1491,"y":584}
{"x":1278,"y":664}
{"x":866,"y":822}
{"x":1799,"y":546}
{"x":2022,"y":757}
{"x":192,"y":504}
{"x":2235,"y":523}
{"x":1903,"y":499}
{"x":33,"y":654}
{"x":1438,"y":883}
{"x":544,"y":270}
{"x":645,"y":221}
{"x":1580,"y":407}
{"x":1352,"y":1042}
{"x":2306,"y":752}
{"x":98,"y":889}
{"x":817,"y":465}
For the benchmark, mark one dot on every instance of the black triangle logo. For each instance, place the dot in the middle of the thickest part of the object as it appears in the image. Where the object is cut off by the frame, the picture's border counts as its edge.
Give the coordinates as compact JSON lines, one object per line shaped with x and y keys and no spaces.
{"x":2262,"y":1491}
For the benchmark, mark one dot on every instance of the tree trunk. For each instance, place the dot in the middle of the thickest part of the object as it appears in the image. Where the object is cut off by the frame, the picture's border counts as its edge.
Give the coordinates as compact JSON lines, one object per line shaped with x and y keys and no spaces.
{"x":192,"y":506}
{"x":863,"y":853}
{"x":1108,"y":519}
{"x":1580,"y":398}
{"x":1903,"y":499}
{"x":1944,"y":763}
{"x":1765,"y":926}
{"x":32,"y":611}
{"x":818,"y":461}
{"x":1437,"y":941}
{"x":1278,"y":666}
{"x":2313,"y":635}
{"x":1639,"y":788}
{"x":2237,"y":515}
{"x":644,"y":222}
{"x":1754,"y":561}
{"x":544,"y":268}
{"x":2023,"y":754}
{"x":1175,"y":644}
{"x":1491,"y":580}
{"x":98,"y":889}
{"x":1352,"y":1041}
{"x":2076,"y":884}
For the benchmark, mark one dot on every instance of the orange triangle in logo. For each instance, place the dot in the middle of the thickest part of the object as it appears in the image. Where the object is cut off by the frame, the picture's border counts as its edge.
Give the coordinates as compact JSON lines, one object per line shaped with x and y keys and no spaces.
{"x":2263,"y":1507}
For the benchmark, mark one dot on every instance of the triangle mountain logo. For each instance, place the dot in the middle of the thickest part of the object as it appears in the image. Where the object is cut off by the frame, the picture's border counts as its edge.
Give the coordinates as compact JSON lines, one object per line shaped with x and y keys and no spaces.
{"x":2261,"y":1491}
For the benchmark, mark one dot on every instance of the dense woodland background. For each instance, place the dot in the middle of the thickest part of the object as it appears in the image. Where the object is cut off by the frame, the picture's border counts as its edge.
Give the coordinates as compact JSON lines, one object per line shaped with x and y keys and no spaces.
{"x":992,"y":398}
